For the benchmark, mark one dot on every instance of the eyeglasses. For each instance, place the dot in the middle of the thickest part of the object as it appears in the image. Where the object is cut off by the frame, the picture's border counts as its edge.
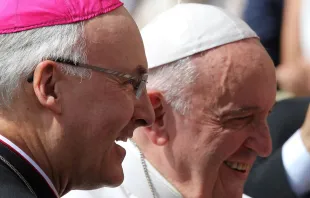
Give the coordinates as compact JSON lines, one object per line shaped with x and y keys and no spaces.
{"x":138,"y":83}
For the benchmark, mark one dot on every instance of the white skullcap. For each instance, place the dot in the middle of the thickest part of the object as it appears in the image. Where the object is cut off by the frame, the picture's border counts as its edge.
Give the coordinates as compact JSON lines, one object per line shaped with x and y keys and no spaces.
{"x":187,"y":29}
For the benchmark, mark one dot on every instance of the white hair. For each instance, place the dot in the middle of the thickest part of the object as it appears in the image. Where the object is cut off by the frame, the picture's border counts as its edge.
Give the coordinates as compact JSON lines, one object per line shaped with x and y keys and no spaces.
{"x":21,"y":52}
{"x":174,"y":79}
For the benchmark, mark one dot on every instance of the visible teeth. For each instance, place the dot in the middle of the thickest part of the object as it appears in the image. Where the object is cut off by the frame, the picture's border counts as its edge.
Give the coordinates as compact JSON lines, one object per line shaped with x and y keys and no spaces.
{"x":237,"y":166}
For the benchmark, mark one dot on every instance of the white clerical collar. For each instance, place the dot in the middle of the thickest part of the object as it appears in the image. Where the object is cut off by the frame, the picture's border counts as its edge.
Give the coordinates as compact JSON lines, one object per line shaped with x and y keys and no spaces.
{"x":135,"y":181}
{"x":35,"y":165}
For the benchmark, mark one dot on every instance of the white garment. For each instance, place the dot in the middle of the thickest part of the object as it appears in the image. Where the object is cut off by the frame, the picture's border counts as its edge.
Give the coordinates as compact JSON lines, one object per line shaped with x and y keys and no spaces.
{"x":135,"y":184}
{"x":305,"y":28}
{"x":296,"y":162}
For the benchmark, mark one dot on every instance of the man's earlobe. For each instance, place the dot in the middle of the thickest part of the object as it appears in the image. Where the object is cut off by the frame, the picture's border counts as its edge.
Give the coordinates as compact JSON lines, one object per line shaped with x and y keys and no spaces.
{"x":44,"y":81}
{"x":158,"y":132}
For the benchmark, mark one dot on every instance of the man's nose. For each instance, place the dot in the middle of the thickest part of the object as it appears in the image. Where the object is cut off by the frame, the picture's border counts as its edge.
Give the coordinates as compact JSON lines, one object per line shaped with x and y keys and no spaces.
{"x":144,"y":113}
{"x":260,"y":141}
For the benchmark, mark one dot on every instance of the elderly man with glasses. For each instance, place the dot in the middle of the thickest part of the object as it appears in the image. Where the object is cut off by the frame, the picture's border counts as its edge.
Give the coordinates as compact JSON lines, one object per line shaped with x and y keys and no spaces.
{"x":72,"y":82}
{"x":212,"y":86}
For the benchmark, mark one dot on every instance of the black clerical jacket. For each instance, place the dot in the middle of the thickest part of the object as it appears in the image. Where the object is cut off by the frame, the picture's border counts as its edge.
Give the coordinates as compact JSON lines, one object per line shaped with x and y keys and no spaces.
{"x":18,"y":178}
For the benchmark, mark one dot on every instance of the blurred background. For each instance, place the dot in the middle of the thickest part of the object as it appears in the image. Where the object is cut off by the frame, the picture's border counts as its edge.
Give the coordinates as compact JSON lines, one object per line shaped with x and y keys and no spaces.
{"x":145,"y":10}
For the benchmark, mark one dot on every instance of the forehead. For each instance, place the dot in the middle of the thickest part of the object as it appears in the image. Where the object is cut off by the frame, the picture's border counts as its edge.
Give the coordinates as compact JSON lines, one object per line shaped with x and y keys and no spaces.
{"x":113,"y":41}
{"x":236,"y":75}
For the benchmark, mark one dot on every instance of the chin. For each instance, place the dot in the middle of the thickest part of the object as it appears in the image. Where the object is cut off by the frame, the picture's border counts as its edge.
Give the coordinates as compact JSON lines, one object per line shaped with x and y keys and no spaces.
{"x":114,"y":183}
{"x":232,"y":181}
{"x":115,"y":180}
{"x":236,"y":194}
{"x":112,"y":180}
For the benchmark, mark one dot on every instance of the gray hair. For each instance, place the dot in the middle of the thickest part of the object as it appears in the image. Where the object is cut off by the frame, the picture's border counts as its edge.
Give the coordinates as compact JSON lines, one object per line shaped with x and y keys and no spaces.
{"x":173,"y":80}
{"x":21,"y":52}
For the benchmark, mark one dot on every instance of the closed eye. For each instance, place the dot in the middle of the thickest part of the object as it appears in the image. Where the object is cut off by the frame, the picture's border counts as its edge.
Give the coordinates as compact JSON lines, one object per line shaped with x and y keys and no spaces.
{"x":238,"y":122}
{"x":242,"y":118}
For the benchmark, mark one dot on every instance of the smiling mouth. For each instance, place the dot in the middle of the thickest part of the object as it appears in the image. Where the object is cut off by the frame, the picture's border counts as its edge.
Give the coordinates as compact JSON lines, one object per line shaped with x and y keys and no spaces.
{"x":240,"y":167}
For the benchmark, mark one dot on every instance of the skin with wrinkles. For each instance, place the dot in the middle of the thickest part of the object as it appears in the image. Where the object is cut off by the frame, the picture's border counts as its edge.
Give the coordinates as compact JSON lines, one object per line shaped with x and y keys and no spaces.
{"x":67,"y":125}
{"x":230,"y":101}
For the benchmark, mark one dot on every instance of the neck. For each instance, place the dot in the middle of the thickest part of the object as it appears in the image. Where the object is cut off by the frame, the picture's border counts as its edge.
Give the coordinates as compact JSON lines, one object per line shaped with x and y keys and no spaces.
{"x":189,"y":181}
{"x":30,"y":140}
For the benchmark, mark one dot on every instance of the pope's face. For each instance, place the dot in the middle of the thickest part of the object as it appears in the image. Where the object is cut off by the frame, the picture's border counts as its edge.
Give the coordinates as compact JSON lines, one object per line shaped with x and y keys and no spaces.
{"x":226,"y":128}
{"x":99,"y":110}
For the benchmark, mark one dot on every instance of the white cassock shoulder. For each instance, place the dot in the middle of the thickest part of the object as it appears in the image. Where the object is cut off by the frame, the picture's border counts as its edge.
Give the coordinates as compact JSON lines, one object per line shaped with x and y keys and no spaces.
{"x":78,"y":194}
{"x":245,"y":196}
{"x":117,"y":192}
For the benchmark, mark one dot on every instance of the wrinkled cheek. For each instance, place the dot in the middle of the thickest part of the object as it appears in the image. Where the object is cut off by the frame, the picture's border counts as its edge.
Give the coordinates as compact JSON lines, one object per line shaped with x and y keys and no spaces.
{"x":233,"y":140}
{"x":215,"y":142}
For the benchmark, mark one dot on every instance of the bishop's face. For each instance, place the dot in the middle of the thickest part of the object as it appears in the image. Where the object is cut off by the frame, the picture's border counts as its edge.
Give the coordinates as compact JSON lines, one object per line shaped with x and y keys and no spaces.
{"x":102,"y":109}
{"x":226,"y":129}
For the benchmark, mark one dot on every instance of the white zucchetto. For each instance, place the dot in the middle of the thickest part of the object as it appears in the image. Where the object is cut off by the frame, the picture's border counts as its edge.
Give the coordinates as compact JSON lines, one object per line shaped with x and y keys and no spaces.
{"x":187,"y":29}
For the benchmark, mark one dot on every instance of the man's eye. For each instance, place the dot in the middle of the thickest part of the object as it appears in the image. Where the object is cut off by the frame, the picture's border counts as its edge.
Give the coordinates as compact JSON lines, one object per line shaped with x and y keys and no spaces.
{"x":238,"y":121}
{"x":242,"y":118}
{"x":246,"y":119}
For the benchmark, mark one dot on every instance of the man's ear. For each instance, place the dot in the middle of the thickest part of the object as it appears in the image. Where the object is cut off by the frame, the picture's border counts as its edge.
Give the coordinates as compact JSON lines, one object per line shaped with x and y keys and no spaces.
{"x":158,"y":132}
{"x":44,"y":80}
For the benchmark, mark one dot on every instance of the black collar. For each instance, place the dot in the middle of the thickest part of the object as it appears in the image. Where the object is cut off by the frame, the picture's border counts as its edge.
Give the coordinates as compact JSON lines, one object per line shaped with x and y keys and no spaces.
{"x":30,"y":175}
